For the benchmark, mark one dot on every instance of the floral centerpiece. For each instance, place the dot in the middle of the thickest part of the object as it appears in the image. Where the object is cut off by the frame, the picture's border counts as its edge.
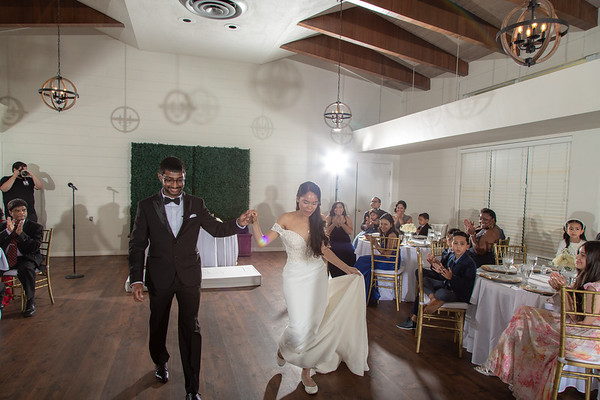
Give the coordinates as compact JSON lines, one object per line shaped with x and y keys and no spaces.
{"x":408,"y":228}
{"x":565,"y":259}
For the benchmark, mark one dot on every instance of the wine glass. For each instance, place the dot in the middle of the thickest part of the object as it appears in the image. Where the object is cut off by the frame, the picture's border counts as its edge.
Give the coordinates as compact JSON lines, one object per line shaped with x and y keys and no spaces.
{"x":507,"y":262}
{"x":570,"y":274}
{"x":527,"y":270}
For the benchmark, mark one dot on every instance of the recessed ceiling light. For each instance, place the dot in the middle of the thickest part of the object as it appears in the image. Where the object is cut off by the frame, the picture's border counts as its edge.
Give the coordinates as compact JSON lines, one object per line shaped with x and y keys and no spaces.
{"x":216,"y":9}
{"x":186,"y":20}
{"x":232,"y":27}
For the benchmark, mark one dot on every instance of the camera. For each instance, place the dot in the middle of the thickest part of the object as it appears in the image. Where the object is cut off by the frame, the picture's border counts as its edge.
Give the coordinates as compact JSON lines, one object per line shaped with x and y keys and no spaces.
{"x":23,"y":173}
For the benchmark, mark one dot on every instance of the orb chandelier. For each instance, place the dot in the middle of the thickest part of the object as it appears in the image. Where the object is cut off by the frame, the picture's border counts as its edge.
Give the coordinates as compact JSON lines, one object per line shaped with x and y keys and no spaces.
{"x":59,"y":93}
{"x":338,"y":115}
{"x":528,"y":31}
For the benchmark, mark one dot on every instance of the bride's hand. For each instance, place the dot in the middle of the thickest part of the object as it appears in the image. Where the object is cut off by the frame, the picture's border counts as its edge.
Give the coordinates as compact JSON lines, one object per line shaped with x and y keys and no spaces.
{"x":353,"y":270}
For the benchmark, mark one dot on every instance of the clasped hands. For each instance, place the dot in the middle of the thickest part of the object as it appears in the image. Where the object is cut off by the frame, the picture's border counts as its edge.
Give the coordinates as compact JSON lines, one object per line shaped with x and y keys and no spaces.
{"x":437,"y":266}
{"x":247,"y":218}
{"x":338,"y":220}
{"x":557,"y":281}
{"x":10,"y":225}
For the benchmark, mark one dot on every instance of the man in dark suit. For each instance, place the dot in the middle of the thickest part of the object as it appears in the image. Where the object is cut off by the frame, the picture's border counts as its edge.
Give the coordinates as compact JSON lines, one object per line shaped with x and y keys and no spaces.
{"x":21,"y":238}
{"x":169,"y":223}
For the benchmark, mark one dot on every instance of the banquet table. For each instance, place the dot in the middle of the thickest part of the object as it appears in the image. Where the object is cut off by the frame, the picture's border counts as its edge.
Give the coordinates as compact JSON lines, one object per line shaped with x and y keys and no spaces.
{"x":408,"y":257}
{"x":491,"y":308}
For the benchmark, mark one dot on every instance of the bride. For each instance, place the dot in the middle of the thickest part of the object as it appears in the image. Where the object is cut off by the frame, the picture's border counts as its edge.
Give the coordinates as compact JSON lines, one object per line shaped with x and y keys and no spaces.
{"x":327,"y":317}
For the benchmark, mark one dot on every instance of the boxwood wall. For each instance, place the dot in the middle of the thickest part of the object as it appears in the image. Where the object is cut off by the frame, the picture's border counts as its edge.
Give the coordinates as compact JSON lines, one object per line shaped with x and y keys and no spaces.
{"x":221,"y":176}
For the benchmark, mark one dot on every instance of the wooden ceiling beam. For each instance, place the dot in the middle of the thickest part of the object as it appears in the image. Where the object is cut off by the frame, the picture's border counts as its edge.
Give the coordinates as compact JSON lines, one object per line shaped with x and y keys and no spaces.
{"x":577,"y":13}
{"x":356,"y":57}
{"x":439,"y":16}
{"x":43,"y":13}
{"x":367,"y":29}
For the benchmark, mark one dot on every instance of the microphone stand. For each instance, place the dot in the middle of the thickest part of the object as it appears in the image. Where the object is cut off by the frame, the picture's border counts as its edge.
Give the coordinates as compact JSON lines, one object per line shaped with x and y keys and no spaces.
{"x":74,"y":275}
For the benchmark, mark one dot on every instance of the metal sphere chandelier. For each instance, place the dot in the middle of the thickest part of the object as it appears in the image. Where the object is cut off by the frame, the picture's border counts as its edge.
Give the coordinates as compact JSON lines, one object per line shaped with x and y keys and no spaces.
{"x":59,"y":93}
{"x":526,"y":38}
{"x":338,"y":115}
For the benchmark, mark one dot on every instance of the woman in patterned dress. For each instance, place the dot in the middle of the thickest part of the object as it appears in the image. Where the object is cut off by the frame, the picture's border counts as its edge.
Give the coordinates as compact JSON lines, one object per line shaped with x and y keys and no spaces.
{"x":526,"y":354}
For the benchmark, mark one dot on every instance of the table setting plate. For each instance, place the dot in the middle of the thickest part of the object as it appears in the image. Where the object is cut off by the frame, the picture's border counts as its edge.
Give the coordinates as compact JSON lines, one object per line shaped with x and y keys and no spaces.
{"x":545,"y":290}
{"x":500,"y":269}
{"x":500,"y":277}
{"x":417,"y":244}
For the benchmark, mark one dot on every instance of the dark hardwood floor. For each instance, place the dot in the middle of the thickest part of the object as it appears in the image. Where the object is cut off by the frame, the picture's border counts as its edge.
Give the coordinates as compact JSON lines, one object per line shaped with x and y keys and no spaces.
{"x":92,"y":344}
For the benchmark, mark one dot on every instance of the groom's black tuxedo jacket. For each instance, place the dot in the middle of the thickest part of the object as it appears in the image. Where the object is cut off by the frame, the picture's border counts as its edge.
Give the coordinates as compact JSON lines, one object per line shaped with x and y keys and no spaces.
{"x":170,"y":256}
{"x":28,"y":242}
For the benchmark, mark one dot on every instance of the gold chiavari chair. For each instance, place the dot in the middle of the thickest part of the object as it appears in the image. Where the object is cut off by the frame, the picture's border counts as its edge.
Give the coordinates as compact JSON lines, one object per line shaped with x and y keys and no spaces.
{"x":518,"y":253}
{"x":450,"y":316}
{"x":588,"y":368}
{"x":42,"y":274}
{"x":386,"y":278}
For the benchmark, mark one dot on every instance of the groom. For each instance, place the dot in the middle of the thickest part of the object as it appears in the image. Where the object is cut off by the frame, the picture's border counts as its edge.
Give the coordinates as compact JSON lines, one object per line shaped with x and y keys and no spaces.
{"x":168,"y":223}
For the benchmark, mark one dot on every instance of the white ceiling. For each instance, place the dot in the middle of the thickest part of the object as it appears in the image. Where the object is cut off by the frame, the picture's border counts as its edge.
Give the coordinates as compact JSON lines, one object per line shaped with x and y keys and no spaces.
{"x":155,"y":25}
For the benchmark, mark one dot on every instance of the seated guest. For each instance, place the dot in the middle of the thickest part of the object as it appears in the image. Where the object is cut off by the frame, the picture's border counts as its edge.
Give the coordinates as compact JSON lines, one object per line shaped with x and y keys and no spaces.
{"x":385,"y":248}
{"x":375,"y":205}
{"x":339,"y":228}
{"x":526,"y":353}
{"x":448,"y":250}
{"x":370,"y":227}
{"x":482,"y":241}
{"x":399,"y":217}
{"x":21,"y":239}
{"x":448,"y":282}
{"x":573,"y":236}
{"x":424,"y":226}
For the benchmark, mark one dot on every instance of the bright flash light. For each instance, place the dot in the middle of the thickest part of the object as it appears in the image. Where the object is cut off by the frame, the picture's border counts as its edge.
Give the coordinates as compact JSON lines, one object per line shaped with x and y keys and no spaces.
{"x":336,"y":162}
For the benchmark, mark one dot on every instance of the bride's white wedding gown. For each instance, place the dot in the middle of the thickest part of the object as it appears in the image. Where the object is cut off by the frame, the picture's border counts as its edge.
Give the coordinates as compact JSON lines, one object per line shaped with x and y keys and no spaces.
{"x":327,"y":317}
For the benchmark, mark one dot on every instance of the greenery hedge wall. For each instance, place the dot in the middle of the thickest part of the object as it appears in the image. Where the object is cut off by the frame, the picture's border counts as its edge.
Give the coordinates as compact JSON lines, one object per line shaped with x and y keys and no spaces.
{"x":221,"y":176}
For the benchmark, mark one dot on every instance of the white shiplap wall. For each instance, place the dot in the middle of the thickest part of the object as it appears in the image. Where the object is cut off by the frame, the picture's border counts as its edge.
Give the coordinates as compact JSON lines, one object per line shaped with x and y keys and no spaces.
{"x":82,"y":147}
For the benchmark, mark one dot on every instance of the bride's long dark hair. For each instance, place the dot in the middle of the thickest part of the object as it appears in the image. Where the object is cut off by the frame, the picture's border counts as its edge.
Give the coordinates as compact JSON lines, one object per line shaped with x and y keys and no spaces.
{"x":316,"y":225}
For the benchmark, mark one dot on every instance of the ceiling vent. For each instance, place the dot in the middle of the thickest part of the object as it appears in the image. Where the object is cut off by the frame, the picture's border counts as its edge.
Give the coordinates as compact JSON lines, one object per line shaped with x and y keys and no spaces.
{"x":216,"y":9}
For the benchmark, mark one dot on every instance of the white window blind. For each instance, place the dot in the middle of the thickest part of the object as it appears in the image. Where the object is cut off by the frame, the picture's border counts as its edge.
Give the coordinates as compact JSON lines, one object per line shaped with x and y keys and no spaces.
{"x":507,"y":195}
{"x":546,"y":207}
{"x":474,"y":185}
{"x":527,"y":187}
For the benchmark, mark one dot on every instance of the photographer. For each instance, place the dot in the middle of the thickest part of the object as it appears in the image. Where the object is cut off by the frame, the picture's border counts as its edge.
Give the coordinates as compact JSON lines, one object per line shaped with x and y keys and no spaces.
{"x":20,"y":185}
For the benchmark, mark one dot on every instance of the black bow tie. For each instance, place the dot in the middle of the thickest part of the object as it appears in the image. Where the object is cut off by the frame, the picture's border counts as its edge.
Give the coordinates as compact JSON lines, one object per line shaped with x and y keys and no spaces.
{"x":168,"y":200}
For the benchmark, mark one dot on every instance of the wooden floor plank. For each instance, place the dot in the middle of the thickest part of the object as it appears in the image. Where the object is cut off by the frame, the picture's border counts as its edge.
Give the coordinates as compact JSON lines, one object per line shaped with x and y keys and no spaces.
{"x":93,"y":344}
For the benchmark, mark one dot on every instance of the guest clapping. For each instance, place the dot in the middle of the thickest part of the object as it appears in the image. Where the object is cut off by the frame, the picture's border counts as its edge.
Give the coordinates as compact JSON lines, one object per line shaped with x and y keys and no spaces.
{"x":400,"y":218}
{"x":448,"y":282}
{"x":482,"y":240}
{"x":339,"y":228}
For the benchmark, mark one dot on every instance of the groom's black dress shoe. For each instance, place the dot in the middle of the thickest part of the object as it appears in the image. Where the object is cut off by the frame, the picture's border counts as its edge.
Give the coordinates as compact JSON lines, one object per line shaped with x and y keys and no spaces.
{"x":29,"y":309}
{"x":161,"y":373}
{"x":192,"y":396}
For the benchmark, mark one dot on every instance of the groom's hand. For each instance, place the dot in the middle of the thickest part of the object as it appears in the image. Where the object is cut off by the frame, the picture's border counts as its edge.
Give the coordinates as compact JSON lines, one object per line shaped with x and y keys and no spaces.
{"x":245,"y":218}
{"x":138,"y":292}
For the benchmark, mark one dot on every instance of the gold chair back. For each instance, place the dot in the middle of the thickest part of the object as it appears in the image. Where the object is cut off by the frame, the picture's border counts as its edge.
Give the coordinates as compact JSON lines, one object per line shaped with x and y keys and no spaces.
{"x":570,"y":330}
{"x":438,"y":247}
{"x":518,"y":253}
{"x":451,"y":316}
{"x":391,"y":276}
{"x":504,"y":242}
